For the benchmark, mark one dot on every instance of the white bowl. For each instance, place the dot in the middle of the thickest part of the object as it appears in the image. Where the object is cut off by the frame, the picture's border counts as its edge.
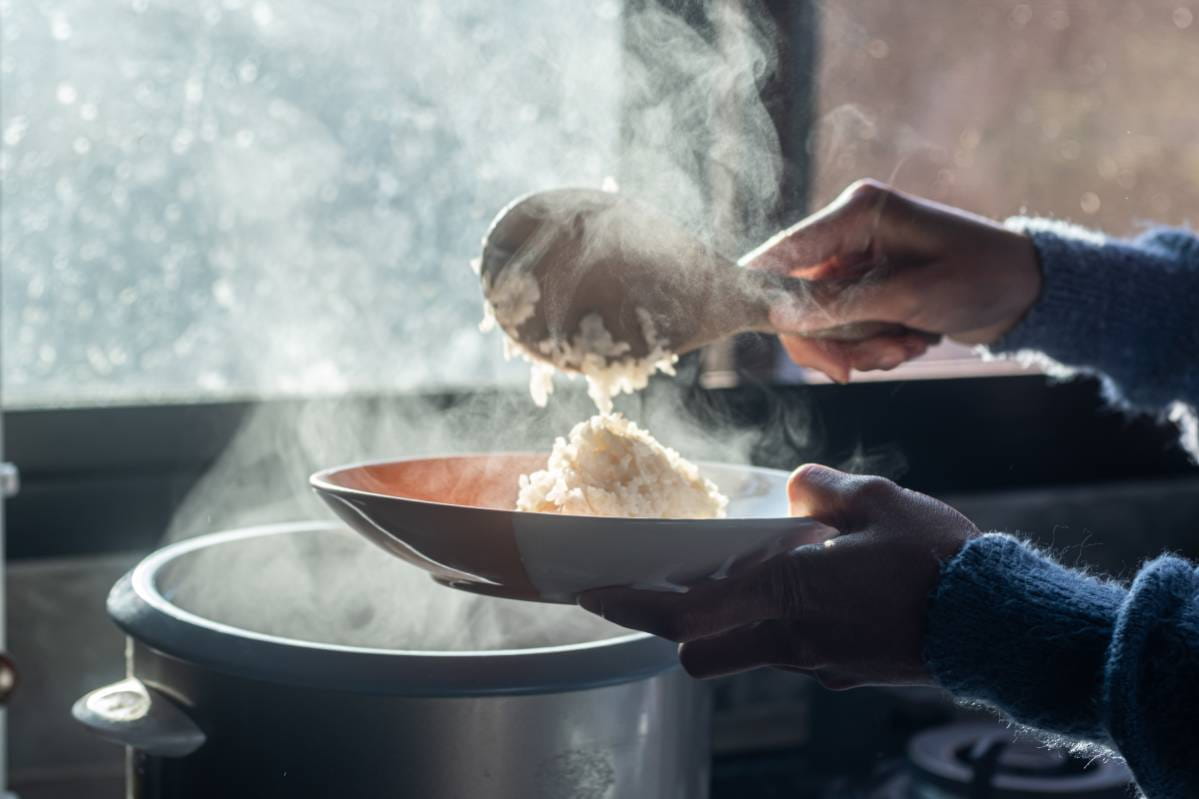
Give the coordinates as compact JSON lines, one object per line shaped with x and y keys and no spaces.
{"x":453,"y":517}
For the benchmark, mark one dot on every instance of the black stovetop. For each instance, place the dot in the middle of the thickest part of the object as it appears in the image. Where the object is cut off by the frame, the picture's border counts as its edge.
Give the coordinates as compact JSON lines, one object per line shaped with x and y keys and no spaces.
{"x":801,"y":773}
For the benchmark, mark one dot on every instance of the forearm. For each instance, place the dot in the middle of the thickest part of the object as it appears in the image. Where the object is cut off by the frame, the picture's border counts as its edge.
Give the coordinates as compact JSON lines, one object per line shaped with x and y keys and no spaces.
{"x":1128,"y":309}
{"x":1010,"y":628}
{"x":1075,"y":655}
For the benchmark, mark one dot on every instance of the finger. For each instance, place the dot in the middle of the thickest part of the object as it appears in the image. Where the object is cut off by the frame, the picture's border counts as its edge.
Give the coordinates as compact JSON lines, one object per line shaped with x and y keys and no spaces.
{"x":763,"y":592}
{"x":888,"y":352}
{"x":828,"y":356}
{"x":879,"y":355}
{"x":835,"y":358}
{"x":834,"y":242}
{"x":768,"y":643}
{"x":830,"y":634}
{"x":676,"y":616}
{"x":706,"y":609}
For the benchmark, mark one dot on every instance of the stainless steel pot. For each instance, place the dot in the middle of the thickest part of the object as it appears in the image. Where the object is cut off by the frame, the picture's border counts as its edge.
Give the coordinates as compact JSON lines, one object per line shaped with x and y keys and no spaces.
{"x":211,"y":709}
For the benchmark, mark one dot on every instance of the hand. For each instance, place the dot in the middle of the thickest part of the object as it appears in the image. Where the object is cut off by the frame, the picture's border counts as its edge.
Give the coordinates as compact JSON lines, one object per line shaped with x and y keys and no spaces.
{"x":849,"y":611}
{"x":880,"y":255}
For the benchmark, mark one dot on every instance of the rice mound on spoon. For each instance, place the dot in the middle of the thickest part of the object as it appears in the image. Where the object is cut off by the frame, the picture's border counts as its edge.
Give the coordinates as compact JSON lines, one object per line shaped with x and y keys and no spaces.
{"x":608,"y":466}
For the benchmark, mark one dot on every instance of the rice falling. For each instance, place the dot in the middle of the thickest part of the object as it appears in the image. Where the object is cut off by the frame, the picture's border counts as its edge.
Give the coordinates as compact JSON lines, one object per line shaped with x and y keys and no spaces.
{"x":605,"y":363}
{"x":607,"y":466}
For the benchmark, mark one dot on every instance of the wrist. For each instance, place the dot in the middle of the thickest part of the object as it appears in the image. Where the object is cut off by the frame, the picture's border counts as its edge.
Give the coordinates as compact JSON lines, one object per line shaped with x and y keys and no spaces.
{"x":1023,"y":267}
{"x":1013,"y":285}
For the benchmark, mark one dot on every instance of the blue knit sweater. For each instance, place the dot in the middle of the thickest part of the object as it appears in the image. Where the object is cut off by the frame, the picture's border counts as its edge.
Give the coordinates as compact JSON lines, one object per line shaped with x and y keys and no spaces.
{"x":1057,"y":649}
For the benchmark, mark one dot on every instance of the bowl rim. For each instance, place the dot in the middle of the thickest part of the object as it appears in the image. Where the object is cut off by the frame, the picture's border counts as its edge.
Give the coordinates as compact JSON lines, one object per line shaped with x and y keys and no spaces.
{"x":320,"y":481}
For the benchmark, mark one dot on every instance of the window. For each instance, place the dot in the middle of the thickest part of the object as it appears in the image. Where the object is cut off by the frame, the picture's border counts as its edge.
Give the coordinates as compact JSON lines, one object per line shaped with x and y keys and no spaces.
{"x":1077,"y":110}
{"x":253,"y":198}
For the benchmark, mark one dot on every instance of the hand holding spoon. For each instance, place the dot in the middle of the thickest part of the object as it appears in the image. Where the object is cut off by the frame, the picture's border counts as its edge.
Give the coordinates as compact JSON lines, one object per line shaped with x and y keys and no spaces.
{"x":553,"y":259}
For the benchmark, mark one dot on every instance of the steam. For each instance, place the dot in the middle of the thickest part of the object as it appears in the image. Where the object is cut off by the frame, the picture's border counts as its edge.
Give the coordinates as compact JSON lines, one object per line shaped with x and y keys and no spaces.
{"x":697,"y":140}
{"x":335,"y":587}
{"x":697,"y":143}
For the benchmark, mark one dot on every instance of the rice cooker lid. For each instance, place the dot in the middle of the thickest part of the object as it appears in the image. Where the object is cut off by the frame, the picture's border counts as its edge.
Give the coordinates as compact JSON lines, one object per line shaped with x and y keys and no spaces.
{"x":142,"y":612}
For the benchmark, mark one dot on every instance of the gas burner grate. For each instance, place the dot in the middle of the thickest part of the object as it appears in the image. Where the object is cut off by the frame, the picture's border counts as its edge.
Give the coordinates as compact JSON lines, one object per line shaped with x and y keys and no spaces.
{"x":956,"y":761}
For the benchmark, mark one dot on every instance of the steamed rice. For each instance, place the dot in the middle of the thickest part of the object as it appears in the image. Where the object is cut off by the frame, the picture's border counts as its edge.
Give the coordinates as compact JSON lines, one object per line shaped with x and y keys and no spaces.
{"x":609,"y":466}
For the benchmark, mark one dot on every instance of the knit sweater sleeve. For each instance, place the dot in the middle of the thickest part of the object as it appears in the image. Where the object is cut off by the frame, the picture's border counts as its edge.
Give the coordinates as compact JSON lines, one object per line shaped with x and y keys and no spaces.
{"x":1127,"y":309}
{"x":1074,"y":655}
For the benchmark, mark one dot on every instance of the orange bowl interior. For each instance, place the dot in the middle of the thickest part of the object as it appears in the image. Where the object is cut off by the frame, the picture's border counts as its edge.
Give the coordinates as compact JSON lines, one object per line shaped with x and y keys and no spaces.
{"x":482,"y":481}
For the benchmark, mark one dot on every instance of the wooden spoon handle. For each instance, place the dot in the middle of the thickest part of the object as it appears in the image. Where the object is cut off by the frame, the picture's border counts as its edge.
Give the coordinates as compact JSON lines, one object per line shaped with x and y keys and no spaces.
{"x":770,"y":289}
{"x":859,"y":331}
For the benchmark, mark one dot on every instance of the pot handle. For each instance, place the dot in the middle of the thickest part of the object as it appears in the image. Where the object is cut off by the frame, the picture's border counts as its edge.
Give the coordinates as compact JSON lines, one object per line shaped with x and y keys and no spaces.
{"x":130,"y":712}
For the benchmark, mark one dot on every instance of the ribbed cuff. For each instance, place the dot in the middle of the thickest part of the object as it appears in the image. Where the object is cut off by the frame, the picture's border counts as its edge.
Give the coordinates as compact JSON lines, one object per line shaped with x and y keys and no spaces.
{"x":1123,"y":308}
{"x":1072,"y":300}
{"x":1013,"y":628}
{"x":1152,"y":693}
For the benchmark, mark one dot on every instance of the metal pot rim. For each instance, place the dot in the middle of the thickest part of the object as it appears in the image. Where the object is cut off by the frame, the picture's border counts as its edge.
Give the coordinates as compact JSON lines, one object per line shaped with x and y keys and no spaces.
{"x":140,"y":609}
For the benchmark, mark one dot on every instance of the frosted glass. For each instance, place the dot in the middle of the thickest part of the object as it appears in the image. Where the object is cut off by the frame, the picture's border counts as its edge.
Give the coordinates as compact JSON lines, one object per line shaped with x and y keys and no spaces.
{"x":210,"y":199}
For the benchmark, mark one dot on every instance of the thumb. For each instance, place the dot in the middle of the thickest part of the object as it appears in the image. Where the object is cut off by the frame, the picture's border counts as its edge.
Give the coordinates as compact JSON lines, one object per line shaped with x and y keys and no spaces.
{"x":846,"y":502}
